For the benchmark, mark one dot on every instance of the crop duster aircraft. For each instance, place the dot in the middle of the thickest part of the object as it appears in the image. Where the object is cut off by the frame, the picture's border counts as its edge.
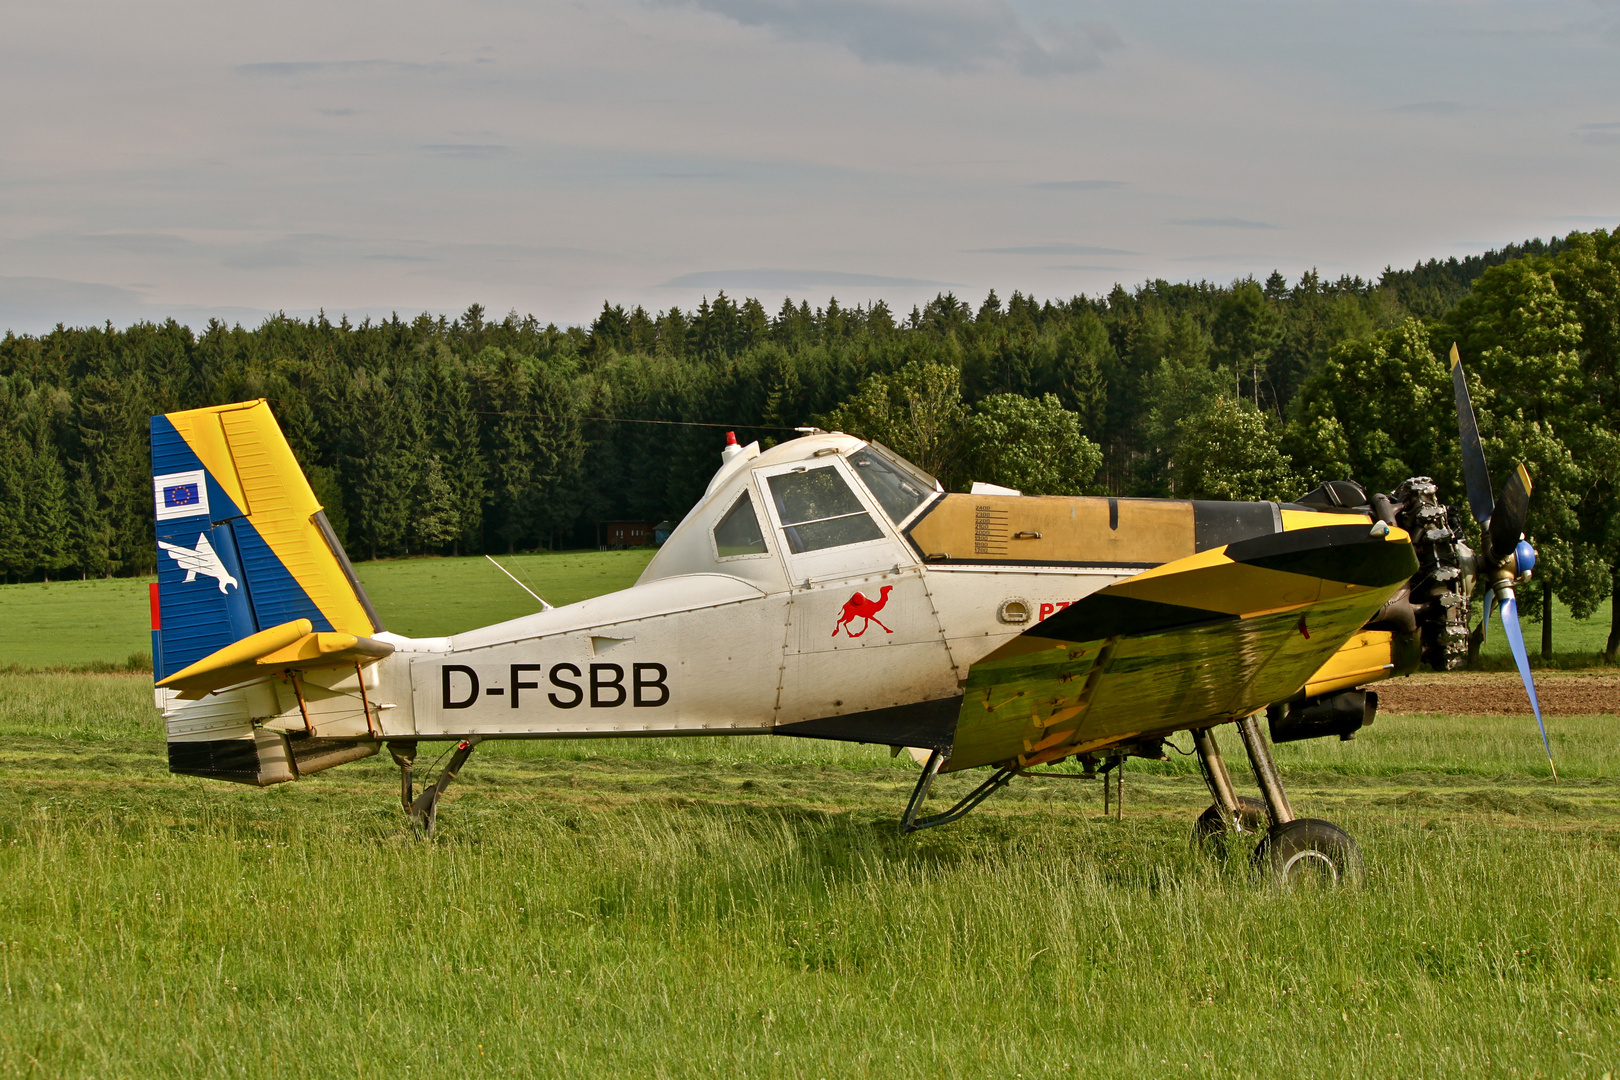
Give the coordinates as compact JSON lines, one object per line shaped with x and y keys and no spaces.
{"x":825,"y":588}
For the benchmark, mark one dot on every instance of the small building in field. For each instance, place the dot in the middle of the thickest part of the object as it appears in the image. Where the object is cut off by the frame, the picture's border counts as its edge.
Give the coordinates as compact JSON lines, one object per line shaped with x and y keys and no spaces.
{"x":618,"y":535}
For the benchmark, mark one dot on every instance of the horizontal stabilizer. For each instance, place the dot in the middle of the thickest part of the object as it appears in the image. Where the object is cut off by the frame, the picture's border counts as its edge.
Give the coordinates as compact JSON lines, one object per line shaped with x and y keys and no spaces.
{"x":294,"y":645}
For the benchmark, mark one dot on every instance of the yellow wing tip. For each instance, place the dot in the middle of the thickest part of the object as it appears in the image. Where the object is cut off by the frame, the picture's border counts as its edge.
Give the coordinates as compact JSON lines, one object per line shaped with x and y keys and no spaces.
{"x":1456,"y":357}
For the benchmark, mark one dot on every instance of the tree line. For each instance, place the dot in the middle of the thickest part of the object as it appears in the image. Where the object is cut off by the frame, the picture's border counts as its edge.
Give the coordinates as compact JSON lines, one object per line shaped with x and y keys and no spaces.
{"x":440,"y":436}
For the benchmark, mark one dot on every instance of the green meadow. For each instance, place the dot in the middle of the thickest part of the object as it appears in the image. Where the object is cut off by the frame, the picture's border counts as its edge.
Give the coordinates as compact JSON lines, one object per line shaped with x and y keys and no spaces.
{"x":746,"y":907}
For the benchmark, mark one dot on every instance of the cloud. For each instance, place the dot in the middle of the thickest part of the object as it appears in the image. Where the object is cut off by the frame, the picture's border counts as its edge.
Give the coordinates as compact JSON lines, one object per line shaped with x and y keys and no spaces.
{"x":776,"y":280}
{"x":266,"y":257}
{"x":1599,"y":134}
{"x":1224,"y":223}
{"x":947,"y":35}
{"x":281,"y":69}
{"x":1430,"y":108}
{"x":145,"y":244}
{"x":468,"y":150}
{"x":1051,"y":249}
{"x":1110,"y":269}
{"x":33,"y":305}
{"x":1080,"y":185}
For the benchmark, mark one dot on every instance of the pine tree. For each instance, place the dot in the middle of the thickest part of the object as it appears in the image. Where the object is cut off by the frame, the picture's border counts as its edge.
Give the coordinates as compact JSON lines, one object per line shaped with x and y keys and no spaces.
{"x":437,"y":521}
{"x":49,"y":523}
{"x":91,"y":533}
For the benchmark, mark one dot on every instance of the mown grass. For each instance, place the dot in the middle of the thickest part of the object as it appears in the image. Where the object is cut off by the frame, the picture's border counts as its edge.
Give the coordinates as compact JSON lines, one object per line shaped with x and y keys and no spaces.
{"x":746,"y":907}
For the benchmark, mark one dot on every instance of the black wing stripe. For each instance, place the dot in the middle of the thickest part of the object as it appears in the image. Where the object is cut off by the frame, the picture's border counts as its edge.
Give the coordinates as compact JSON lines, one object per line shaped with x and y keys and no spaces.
{"x":1107,"y":614}
{"x":1346,"y":553}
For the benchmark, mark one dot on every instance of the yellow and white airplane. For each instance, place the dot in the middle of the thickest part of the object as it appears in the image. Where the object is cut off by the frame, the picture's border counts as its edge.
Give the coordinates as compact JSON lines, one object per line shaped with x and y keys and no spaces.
{"x":824,"y":588}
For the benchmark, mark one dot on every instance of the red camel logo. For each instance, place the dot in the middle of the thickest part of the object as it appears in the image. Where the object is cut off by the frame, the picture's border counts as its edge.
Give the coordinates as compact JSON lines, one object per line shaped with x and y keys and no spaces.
{"x":858,"y":606}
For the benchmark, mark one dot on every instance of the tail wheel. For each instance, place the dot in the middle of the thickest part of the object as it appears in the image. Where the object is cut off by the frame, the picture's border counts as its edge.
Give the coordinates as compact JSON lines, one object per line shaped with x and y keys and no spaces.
{"x":1210,"y":830}
{"x":1307,"y":851}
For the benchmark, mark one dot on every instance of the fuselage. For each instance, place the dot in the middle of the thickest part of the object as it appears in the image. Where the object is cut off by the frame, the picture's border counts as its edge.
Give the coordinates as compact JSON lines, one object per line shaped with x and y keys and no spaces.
{"x":822,"y":588}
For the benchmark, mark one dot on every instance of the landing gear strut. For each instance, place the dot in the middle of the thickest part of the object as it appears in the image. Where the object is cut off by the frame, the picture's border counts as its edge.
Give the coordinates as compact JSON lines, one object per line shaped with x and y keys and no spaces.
{"x":910,"y":822}
{"x":1230,"y":812}
{"x":423,"y":809}
{"x":1292,"y":849}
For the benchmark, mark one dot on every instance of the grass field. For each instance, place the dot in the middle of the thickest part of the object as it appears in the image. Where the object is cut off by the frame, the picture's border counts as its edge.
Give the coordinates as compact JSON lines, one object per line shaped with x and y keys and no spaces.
{"x":746,"y":907}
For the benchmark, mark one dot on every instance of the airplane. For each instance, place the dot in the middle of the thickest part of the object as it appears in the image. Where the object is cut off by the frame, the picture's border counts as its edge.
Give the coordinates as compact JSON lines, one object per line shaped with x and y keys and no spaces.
{"x":826,"y":588}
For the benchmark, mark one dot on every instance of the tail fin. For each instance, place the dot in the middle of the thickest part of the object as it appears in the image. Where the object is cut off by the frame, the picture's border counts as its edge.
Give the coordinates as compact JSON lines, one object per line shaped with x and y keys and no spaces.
{"x":243,"y":544}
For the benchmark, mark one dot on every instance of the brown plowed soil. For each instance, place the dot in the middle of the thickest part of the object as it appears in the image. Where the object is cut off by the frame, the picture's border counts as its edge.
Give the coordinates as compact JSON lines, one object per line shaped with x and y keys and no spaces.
{"x":1474,"y":693}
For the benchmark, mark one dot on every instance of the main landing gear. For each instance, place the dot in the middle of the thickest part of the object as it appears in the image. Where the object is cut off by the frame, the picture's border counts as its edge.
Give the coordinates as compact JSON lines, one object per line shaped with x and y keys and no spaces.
{"x":423,"y":809}
{"x":1291,"y":849}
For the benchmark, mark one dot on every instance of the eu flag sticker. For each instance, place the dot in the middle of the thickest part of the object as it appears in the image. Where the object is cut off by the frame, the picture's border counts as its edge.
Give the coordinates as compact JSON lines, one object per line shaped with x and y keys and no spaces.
{"x":180,"y":495}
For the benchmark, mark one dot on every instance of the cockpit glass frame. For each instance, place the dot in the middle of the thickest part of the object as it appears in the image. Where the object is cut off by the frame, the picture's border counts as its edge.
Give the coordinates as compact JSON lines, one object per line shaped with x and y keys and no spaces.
{"x":900,"y":469}
{"x":817,"y":509}
{"x":741,"y":513}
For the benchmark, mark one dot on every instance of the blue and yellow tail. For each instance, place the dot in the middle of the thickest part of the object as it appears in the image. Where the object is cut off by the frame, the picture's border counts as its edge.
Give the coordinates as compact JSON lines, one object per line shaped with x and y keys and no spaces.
{"x":243,"y":545}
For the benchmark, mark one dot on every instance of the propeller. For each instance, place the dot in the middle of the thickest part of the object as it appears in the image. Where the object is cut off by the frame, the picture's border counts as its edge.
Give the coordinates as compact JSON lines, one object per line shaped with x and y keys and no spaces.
{"x":1508,"y":557}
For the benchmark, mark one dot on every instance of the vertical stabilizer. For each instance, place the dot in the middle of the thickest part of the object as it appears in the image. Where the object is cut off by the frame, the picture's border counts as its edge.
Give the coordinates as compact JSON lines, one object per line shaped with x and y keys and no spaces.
{"x":243,"y":544}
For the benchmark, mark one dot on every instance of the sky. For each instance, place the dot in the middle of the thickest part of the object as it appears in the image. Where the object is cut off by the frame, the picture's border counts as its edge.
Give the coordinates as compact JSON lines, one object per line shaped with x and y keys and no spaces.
{"x":227,"y":159}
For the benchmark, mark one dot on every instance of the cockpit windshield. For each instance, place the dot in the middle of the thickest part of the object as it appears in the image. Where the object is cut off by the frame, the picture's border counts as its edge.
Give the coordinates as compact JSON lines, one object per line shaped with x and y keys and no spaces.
{"x":899,"y":491}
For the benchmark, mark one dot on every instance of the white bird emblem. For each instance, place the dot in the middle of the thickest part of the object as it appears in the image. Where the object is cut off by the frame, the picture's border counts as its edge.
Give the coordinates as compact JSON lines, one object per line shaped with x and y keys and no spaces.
{"x":203,"y":560}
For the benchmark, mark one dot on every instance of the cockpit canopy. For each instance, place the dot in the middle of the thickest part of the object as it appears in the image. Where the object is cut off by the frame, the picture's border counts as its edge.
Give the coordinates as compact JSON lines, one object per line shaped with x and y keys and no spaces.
{"x":826,"y":503}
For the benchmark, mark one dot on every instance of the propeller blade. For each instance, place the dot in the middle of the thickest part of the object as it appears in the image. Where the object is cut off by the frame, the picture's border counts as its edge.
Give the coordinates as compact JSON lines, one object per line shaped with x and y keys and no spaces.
{"x":1475,"y":474}
{"x":1507,"y":521}
{"x":1485,"y":626}
{"x":1510,"y":627}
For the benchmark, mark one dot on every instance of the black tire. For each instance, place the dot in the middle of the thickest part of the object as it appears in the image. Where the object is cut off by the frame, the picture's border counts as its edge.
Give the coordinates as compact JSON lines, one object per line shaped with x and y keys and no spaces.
{"x":1211,"y":829}
{"x":1307,"y":851}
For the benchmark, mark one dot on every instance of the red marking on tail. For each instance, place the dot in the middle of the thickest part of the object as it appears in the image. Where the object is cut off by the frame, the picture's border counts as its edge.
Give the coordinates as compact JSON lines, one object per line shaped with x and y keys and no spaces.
{"x":861,"y":607}
{"x":157,"y":614}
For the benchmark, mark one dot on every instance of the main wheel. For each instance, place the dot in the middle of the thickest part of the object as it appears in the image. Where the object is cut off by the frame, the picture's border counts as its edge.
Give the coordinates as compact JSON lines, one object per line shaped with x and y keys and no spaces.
{"x":1307,"y":851}
{"x":1211,"y":829}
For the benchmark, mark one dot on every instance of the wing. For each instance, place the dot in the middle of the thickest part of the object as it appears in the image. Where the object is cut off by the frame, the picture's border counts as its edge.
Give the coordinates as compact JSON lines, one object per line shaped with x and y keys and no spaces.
{"x":1201,"y":640}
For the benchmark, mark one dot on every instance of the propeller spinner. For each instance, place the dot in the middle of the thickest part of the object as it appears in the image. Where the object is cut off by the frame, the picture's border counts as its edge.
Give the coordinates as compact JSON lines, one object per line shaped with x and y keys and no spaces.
{"x":1507,"y":557}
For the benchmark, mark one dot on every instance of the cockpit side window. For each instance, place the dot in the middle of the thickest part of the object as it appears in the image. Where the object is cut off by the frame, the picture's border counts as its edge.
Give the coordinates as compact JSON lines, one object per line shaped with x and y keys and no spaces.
{"x":896,"y":492}
{"x":818,"y":510}
{"x":738,"y":532}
